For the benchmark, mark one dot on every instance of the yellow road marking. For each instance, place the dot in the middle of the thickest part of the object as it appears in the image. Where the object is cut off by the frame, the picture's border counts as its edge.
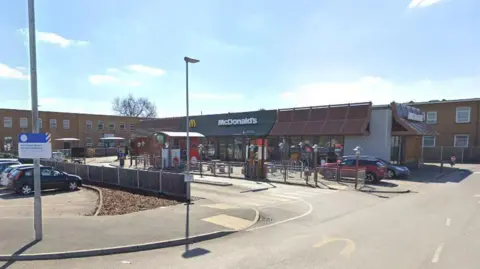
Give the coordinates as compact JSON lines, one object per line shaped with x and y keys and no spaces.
{"x":229,"y":221}
{"x":346,"y":251}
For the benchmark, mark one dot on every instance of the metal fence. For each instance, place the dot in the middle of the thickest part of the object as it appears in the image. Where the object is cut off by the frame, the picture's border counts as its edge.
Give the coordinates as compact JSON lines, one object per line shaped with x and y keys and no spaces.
{"x":463,"y":155}
{"x":286,"y":172}
{"x":160,"y":182}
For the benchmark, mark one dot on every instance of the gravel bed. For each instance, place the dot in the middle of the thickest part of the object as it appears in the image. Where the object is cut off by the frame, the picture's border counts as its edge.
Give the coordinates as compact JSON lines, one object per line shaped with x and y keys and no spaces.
{"x":118,"y":202}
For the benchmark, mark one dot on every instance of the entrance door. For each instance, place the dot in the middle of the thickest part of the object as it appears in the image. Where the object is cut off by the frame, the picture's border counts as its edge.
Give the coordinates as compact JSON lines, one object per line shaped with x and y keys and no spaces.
{"x":398,"y":149}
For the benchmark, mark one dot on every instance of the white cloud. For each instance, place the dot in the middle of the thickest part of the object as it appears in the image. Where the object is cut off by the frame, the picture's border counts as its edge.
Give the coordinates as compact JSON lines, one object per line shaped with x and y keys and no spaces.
{"x":12,"y":73}
{"x":55,"y":39}
{"x":379,"y":91}
{"x":215,"y":96}
{"x":102,"y":79}
{"x":152,"y":71}
{"x":422,"y":3}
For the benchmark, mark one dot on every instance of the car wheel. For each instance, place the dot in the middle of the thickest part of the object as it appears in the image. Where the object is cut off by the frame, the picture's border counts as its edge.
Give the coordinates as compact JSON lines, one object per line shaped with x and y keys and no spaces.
{"x":370,"y":178}
{"x":72,"y":186}
{"x":391,"y":174}
{"x":26,"y":189}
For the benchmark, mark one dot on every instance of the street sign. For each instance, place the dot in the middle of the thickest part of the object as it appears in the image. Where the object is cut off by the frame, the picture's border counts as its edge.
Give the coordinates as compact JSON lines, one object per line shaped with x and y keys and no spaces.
{"x":34,"y":146}
{"x":188,"y":178}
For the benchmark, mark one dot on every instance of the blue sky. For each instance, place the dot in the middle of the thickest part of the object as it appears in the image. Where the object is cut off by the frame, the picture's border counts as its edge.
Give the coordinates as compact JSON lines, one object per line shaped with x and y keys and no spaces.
{"x":253,"y":54}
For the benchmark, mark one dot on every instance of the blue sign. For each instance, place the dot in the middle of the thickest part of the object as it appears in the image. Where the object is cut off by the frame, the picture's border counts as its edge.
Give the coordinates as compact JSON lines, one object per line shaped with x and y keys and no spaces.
{"x":34,"y":146}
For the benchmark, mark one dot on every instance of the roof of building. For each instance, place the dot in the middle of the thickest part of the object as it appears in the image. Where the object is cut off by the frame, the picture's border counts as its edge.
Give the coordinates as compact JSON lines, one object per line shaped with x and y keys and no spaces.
{"x":348,"y":119}
{"x":443,"y":101}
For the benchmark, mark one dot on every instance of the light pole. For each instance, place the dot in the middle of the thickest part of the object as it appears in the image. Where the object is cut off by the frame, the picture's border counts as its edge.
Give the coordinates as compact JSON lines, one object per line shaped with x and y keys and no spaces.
{"x":200,"y":149}
{"x":281,"y":145}
{"x":300,"y":145}
{"x":357,"y":150}
{"x":315,"y":175}
{"x":37,"y":207}
{"x":187,"y":61}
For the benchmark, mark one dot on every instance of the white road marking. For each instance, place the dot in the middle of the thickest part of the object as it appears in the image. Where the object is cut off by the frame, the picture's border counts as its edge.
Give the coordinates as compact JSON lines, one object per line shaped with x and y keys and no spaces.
{"x":228,"y":221}
{"x":436,"y":254}
{"x":448,"y":222}
{"x":309,"y":211}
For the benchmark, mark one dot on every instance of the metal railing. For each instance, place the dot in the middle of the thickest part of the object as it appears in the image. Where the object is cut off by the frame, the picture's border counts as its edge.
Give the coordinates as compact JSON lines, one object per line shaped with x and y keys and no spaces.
{"x":443,"y":153}
{"x":161,"y":182}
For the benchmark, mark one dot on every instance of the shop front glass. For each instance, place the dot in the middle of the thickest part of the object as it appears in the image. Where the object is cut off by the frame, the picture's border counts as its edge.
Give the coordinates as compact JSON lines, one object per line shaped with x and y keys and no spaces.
{"x":239,"y":149}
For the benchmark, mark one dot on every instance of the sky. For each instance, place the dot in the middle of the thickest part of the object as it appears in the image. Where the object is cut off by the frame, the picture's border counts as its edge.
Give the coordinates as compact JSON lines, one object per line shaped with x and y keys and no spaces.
{"x":254,"y":54}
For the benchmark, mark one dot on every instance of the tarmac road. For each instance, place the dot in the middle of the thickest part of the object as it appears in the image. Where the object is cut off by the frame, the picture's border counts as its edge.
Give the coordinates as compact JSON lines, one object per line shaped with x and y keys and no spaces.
{"x":438,"y":227}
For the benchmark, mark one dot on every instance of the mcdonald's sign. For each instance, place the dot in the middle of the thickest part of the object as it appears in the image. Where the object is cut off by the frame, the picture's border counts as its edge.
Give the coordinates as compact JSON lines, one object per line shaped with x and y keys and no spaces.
{"x":192,"y":123}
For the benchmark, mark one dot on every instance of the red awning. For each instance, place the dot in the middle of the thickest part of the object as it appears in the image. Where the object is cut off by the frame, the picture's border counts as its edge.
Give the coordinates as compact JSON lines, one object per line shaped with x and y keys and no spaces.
{"x":350,"y":119}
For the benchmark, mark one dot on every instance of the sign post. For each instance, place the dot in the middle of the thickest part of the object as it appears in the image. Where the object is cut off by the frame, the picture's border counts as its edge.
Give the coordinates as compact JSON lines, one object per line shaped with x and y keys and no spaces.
{"x":35,"y":146}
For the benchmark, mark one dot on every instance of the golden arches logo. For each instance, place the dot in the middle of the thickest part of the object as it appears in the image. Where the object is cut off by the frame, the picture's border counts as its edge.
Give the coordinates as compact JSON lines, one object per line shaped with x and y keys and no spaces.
{"x":192,"y":123}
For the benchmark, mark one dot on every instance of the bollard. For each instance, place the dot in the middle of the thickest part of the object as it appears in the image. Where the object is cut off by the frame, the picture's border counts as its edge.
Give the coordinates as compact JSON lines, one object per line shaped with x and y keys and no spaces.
{"x":441,"y":166}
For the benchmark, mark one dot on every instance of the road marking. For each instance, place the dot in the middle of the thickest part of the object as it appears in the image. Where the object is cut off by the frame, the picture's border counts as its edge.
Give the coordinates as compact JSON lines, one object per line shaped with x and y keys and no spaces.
{"x":221,"y":206}
{"x":309,"y":211}
{"x":228,"y":221}
{"x":436,"y":254}
{"x":448,"y":222}
{"x":346,"y":251}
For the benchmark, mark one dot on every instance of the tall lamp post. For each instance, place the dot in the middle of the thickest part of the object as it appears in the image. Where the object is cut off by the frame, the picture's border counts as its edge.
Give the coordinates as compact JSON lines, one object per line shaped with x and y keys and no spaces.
{"x":357,"y":150}
{"x":315,"y":161}
{"x":187,"y":61}
{"x":200,"y":150}
{"x":280,"y":146}
{"x":37,"y":207}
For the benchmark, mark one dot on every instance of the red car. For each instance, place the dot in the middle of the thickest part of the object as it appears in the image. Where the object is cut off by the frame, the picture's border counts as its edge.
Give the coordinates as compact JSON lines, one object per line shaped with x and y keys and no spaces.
{"x":374,"y":170}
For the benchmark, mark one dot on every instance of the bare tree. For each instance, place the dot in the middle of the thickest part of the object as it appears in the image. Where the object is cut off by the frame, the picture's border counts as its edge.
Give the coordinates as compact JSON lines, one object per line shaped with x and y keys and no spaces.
{"x":134,"y":107}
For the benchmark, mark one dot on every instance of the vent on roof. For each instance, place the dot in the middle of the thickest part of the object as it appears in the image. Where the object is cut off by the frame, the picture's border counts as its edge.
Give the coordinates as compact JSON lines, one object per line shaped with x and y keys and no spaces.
{"x":435,"y":100}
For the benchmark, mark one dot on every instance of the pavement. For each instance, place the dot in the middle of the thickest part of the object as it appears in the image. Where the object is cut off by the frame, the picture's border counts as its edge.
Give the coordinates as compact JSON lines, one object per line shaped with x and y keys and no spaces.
{"x":437,"y":228}
{"x":95,"y":235}
{"x":54,"y":203}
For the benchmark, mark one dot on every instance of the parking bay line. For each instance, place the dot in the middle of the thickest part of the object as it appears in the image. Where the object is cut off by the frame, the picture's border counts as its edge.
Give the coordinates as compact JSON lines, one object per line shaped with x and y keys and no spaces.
{"x":436,"y":254}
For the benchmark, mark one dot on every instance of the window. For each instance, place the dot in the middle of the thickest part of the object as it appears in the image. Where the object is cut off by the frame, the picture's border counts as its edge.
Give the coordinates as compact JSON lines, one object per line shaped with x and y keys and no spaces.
{"x":111,"y":126}
{"x":431,"y":117}
{"x":7,"y":122}
{"x":100,"y":125}
{"x":428,"y":141}
{"x":53,"y":123}
{"x":132,"y":127}
{"x":88,"y":142}
{"x":460,"y":141}
{"x":88,"y":125}
{"x":122,"y":126}
{"x":40,"y":123}
{"x":66,"y":124}
{"x":462,"y":115}
{"x":23,"y":123}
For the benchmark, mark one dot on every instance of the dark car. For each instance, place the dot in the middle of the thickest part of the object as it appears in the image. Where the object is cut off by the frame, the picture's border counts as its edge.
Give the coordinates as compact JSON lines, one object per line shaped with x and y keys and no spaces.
{"x":21,"y":180}
{"x":375,"y":170}
{"x":396,"y":171}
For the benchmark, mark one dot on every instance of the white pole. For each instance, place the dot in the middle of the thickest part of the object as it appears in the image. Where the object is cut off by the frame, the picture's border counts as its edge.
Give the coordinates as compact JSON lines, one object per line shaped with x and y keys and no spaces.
{"x":37,"y":206}
{"x":188,"y":131}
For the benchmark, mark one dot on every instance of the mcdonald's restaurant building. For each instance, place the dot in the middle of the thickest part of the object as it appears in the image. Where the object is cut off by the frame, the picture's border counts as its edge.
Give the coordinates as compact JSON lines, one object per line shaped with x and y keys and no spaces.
{"x":228,"y":136}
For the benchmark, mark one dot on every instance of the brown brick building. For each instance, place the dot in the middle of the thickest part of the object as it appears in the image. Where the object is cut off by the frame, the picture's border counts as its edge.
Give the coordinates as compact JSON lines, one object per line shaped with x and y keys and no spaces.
{"x":89,"y":128}
{"x":458,"y":125}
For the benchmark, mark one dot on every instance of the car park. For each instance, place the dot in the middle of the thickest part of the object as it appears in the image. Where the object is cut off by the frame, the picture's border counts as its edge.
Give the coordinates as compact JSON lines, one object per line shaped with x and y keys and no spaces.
{"x":375,"y":170}
{"x":21,"y":179}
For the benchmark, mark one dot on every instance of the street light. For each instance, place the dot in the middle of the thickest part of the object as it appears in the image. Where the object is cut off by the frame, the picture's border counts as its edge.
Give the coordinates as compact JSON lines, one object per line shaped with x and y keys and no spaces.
{"x":187,"y":61}
{"x":281,"y":145}
{"x":315,"y":150}
{"x":200,"y":150}
{"x":37,"y":200}
{"x":357,"y":150}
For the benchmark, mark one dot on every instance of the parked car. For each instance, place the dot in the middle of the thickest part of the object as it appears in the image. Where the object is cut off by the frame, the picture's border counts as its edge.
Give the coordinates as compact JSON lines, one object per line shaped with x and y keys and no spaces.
{"x":375,"y":170}
{"x":3,"y":160}
{"x":21,"y":179}
{"x":393,"y":170}
{"x":5,"y":172}
{"x":396,"y":171}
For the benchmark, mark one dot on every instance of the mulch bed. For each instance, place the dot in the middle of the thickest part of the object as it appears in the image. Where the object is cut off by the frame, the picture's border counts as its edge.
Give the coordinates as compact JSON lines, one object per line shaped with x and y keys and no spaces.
{"x":119,"y":202}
